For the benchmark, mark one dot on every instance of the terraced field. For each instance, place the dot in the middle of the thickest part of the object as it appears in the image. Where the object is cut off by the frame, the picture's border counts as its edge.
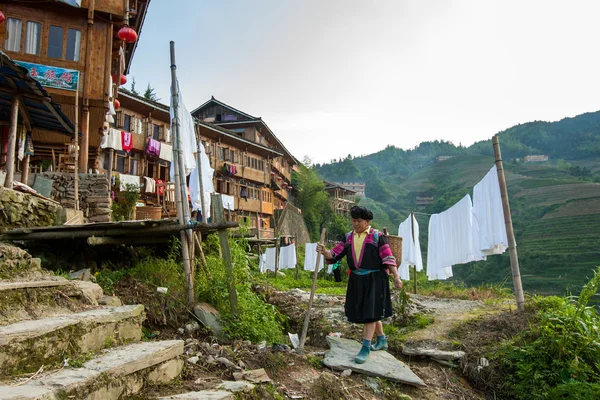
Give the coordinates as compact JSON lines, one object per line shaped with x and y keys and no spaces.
{"x":558,"y":192}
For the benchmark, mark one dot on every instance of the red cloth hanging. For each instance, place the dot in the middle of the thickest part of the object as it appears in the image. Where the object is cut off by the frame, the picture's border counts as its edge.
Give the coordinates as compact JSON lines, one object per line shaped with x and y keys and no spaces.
{"x":127,"y":141}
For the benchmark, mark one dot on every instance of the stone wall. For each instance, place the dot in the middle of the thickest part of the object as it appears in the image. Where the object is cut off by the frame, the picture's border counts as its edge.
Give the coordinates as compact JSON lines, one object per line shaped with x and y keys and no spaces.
{"x":22,"y":210}
{"x":94,"y":194}
{"x":291,"y":222}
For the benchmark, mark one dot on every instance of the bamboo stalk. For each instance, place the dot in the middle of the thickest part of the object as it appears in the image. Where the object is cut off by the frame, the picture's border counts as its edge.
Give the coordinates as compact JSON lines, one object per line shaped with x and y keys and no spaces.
{"x":510,"y":233}
{"x":312,"y":295}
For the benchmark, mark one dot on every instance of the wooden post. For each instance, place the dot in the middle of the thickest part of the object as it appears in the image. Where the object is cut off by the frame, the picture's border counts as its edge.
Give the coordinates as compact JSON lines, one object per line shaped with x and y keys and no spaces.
{"x":277,"y":247}
{"x":180,"y":192}
{"x":412,"y":228}
{"x":12,"y":143}
{"x":76,"y":149}
{"x":111,"y":156}
{"x":312,"y":295}
{"x":218,"y":216}
{"x":25,"y":169}
{"x":512,"y":244}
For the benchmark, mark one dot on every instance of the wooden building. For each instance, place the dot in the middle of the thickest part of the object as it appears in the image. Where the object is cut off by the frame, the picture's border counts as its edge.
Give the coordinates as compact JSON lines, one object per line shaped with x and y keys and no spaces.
{"x":340,"y":198}
{"x":70,"y":45}
{"x":251,"y":164}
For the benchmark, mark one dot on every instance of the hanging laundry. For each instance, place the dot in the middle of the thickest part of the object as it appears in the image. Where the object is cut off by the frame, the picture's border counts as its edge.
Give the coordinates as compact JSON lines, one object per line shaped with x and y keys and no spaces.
{"x":127,"y":141}
{"x":287,"y":257}
{"x":166,"y":152}
{"x":29,"y":151}
{"x":488,"y":216}
{"x":159,"y":189}
{"x":228,"y":202}
{"x":114,"y":140}
{"x":129,"y":180}
{"x":411,"y":249}
{"x":225,"y":169}
{"x":21,"y":145}
{"x":270,"y":255}
{"x":187,"y":136}
{"x":310,"y":257}
{"x":262,"y":263}
{"x":450,"y":240}
{"x":153,"y":147}
{"x":149,"y":185}
{"x":244,"y":193}
{"x":207,"y":182}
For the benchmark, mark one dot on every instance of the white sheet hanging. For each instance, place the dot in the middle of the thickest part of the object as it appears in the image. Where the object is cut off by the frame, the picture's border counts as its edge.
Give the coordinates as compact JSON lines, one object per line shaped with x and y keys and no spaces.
{"x":450,"y":240}
{"x":113,"y":140}
{"x":411,"y":249}
{"x":149,"y":185}
{"x":166,"y":152}
{"x":129,"y":179}
{"x":187,"y":135}
{"x":269,"y":259}
{"x":310,"y":257}
{"x":488,"y":216}
{"x":228,"y":202}
{"x":287,"y":257}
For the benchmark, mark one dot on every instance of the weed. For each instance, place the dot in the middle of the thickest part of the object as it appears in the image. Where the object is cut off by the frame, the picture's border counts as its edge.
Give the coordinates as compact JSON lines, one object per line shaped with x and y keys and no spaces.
{"x":315,"y":362}
{"x":261,"y":392}
{"x":272,"y":362}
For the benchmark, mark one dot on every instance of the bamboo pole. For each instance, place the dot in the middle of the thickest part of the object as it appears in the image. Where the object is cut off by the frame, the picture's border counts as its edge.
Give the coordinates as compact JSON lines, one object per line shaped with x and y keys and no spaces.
{"x":76,"y":139}
{"x":219,"y":216}
{"x":312,"y":295}
{"x":12,"y":143}
{"x":512,"y":244}
{"x":277,"y":248}
{"x":180,"y":191}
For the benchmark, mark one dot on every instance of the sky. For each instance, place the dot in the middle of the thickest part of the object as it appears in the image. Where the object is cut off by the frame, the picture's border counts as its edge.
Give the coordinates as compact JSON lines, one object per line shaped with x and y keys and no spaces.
{"x":339,"y":77}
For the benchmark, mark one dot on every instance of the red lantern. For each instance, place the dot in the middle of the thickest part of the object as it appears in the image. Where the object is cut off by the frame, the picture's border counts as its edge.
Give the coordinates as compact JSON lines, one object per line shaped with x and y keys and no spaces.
{"x":127,"y":34}
{"x":117,"y":104}
{"x":123,"y":79}
{"x":2,"y":18}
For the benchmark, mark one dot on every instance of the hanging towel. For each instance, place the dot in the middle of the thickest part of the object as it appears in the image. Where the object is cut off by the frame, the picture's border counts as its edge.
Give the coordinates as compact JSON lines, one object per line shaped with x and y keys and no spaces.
{"x":114,"y":140}
{"x":21,"y":146}
{"x":270,"y":254}
{"x":450,"y":240}
{"x":262,"y":263}
{"x":207,"y":183}
{"x":287,"y":257}
{"x":310,"y":257}
{"x":228,"y":202}
{"x":411,"y":249}
{"x":127,"y":141}
{"x":153,"y":147}
{"x":488,"y":216}
{"x":149,"y":185}
{"x":166,"y":152}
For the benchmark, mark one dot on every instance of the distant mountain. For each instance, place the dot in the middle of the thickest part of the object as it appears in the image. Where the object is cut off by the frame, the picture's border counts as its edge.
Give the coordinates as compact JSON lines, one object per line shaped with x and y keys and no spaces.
{"x":555,"y":204}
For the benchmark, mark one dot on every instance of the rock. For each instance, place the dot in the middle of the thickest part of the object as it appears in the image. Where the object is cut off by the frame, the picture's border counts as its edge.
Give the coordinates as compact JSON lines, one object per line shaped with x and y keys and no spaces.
{"x":254,"y":376}
{"x":203,"y":394}
{"x":193,"y":360}
{"x":379,"y":364}
{"x":346,"y":373}
{"x":210,"y":318}
{"x":227,"y":363}
{"x":210,"y":360}
{"x":433,"y":353}
{"x":90,"y":291}
{"x":242,"y":365}
{"x":181,"y":331}
{"x":112,"y":301}
{"x":236,"y":386}
{"x":192,"y":327}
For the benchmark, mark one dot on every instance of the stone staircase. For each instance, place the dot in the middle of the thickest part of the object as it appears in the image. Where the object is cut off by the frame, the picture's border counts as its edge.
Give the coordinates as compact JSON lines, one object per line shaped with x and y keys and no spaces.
{"x":56,"y":342}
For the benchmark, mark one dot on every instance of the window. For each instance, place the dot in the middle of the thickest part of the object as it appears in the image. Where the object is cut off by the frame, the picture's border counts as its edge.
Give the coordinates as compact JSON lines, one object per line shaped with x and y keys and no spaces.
{"x":133,"y":165}
{"x":55,"y":41}
{"x":14,"y":28}
{"x":156,"y":132}
{"x":33,"y":37}
{"x":122,"y":164}
{"x":127,"y":122}
{"x":73,"y":45}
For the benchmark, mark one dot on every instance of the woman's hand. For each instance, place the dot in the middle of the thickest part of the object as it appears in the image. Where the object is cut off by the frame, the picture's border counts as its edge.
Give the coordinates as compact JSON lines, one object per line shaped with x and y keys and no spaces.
{"x":322,"y":250}
{"x":398,"y":282}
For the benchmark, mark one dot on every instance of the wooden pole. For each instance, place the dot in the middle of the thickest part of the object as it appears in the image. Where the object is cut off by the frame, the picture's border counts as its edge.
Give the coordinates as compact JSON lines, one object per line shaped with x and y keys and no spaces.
{"x":25,"y":168}
{"x":312,"y":295}
{"x":277,"y":248}
{"x":12,"y":143}
{"x":512,"y":244}
{"x":219,"y":217}
{"x":111,"y":157}
{"x":412,"y":228}
{"x":180,"y":192}
{"x":76,"y":140}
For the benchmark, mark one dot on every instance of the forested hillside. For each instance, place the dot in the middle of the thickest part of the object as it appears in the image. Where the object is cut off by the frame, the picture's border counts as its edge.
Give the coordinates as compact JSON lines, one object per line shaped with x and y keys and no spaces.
{"x":555,"y":204}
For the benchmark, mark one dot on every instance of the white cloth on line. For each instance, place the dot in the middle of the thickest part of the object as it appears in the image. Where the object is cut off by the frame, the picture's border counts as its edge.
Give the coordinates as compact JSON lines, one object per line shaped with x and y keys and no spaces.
{"x":187,"y":135}
{"x":451,"y":240}
{"x":287,"y":257}
{"x":228,"y":202}
{"x":411,"y":249}
{"x":488,"y":216}
{"x":262,"y":263}
{"x":114,"y":140}
{"x":166,"y":152}
{"x":269,"y":257}
{"x":149,"y":185}
{"x":129,"y":179}
{"x":310,"y":257}
{"x":207,"y":184}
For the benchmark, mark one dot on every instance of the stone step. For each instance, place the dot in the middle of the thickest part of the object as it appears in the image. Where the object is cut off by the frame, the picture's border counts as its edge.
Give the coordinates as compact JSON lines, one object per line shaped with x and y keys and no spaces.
{"x":26,"y":346}
{"x":28,"y":300}
{"x":202,"y":395}
{"x":117,"y":373}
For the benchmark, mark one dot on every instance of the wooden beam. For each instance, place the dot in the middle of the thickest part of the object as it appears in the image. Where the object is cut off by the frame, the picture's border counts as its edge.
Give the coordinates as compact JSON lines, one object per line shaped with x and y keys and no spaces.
{"x":58,"y":117}
{"x":12,"y":143}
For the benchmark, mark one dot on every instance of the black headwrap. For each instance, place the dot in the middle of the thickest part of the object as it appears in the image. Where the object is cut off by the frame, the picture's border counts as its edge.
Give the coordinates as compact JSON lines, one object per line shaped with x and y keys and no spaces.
{"x":357,"y":212}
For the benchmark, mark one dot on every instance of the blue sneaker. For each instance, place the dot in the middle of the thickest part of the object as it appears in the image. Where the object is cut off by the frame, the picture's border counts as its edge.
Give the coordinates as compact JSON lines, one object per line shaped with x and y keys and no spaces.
{"x":362,"y":356}
{"x":381,"y":344}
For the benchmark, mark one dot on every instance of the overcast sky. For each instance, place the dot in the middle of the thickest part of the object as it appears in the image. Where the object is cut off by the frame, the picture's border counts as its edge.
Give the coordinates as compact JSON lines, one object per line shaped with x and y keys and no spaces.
{"x":339,"y":77}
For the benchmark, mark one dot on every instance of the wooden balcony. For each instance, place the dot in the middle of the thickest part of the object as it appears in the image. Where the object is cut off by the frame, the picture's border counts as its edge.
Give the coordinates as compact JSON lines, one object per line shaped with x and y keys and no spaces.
{"x":282,"y":194}
{"x":253,"y":175}
{"x":251,"y":205}
{"x":283,"y":171}
{"x":267,"y":208}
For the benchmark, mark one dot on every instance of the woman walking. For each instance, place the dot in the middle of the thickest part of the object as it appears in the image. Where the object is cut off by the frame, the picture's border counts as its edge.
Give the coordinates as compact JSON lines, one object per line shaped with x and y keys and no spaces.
{"x":370,"y":261}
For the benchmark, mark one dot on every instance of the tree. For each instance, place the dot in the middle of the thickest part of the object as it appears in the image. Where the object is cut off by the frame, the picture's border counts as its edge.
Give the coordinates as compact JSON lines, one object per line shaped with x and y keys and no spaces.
{"x":150,"y":94}
{"x":312,"y":199}
{"x":132,"y":90}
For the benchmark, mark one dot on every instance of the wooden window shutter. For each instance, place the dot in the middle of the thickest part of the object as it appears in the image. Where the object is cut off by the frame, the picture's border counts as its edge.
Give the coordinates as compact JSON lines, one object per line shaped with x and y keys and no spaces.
{"x":119,"y":119}
{"x":161,"y":133}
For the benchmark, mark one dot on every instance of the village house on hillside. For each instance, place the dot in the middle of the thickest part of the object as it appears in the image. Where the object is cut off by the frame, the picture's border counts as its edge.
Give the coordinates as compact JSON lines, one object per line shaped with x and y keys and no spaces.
{"x":340,"y":198}
{"x":68,"y":46}
{"x":358,"y":187}
{"x":251,"y":164}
